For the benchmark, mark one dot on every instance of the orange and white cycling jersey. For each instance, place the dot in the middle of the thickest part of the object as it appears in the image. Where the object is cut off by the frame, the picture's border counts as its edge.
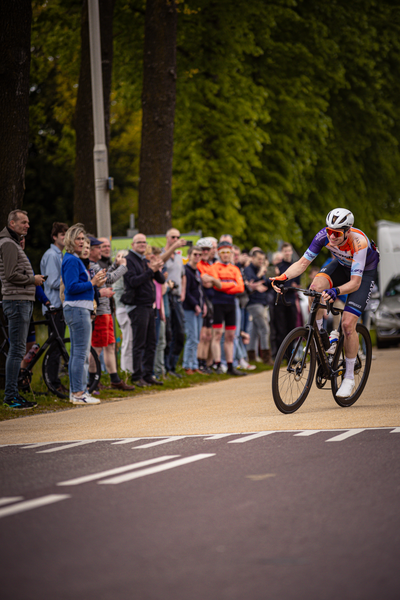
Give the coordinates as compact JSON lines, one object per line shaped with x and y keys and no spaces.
{"x":357,"y":253}
{"x":231,"y":279}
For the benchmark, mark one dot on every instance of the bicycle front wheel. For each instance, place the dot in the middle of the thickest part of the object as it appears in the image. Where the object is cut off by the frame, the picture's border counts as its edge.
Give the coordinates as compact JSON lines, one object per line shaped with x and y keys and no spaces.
{"x":292,"y":382}
{"x":55,"y":370}
{"x":362,"y":366}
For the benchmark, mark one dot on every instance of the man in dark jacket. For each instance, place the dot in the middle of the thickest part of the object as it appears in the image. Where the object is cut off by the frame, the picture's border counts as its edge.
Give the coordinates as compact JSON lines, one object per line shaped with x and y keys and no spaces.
{"x":257,"y":307}
{"x":141,"y":309}
{"x":18,"y":289}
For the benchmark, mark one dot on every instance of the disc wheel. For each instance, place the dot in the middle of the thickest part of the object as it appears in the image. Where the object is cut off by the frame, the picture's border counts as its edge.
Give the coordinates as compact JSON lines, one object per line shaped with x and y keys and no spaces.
{"x":291,"y":380}
{"x":62,"y":391}
{"x":361,"y":369}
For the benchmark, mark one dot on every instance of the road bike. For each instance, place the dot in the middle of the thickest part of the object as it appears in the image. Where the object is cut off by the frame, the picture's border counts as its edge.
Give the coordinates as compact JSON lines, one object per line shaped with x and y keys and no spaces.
{"x":54,"y":344}
{"x":302,"y":352}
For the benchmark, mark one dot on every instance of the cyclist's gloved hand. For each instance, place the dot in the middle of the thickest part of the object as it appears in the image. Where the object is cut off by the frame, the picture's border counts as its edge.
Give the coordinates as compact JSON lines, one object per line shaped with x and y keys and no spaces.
{"x":333,"y":293}
{"x":277,"y":282}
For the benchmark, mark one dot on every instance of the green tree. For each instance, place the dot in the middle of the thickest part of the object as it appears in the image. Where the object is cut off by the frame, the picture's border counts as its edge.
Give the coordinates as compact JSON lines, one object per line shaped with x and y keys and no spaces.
{"x":15,"y":35}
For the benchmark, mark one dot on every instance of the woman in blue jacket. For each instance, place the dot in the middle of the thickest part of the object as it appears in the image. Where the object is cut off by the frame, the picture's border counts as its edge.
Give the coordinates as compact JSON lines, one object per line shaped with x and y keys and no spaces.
{"x":77,"y":307}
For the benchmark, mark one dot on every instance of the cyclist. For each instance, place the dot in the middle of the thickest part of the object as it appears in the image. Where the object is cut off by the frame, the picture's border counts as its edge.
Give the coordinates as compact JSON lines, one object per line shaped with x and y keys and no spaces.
{"x":352,"y":271}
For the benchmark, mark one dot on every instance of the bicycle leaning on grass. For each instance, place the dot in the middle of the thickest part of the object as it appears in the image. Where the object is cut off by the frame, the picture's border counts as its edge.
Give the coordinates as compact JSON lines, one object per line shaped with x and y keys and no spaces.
{"x":302,"y":352}
{"x":54,"y":343}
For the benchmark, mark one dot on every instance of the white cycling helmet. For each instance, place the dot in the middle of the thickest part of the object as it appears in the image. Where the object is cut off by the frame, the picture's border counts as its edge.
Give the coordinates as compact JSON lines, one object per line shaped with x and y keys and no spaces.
{"x":205,"y":242}
{"x":340,"y":218}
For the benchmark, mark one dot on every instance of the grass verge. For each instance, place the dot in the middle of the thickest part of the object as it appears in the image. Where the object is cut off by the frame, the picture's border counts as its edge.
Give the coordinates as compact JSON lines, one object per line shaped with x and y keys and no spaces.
{"x":48,"y":403}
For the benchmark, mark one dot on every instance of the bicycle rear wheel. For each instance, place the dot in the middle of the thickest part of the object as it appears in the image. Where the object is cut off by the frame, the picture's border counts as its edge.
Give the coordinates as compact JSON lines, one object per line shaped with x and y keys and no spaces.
{"x":62,"y":391}
{"x":361,"y":369}
{"x":291,"y":383}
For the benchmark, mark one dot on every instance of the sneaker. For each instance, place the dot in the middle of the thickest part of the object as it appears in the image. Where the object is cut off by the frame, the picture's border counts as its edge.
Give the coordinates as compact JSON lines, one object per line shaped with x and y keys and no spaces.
{"x":236,"y":373}
{"x":19,"y":403}
{"x":245,"y":365}
{"x":205,"y":370}
{"x":189,"y":371}
{"x":347,"y":388}
{"x":84,"y":399}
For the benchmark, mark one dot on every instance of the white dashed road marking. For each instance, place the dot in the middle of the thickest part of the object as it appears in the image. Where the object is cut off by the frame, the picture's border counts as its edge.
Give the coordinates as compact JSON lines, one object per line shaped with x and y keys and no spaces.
{"x":67,"y":446}
{"x":138,"y":465}
{"x":10,"y":500}
{"x":248,"y":438}
{"x":345,"y":435}
{"x":30,"y":504}
{"x":165,"y":441}
{"x":152,"y":470}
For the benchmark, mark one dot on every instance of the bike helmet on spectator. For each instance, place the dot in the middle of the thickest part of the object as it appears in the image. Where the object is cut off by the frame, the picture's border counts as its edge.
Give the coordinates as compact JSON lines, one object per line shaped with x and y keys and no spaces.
{"x":205,"y":242}
{"x":340,"y":218}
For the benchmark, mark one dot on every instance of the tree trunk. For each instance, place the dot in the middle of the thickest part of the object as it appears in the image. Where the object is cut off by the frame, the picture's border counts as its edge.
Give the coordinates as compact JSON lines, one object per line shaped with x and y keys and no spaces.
{"x":84,"y":189}
{"x":15,"y":60}
{"x":158,"y":105}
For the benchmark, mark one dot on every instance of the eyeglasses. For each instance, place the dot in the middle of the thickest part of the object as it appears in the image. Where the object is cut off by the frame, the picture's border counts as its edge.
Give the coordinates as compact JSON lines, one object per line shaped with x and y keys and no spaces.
{"x":335,"y":232}
{"x":175,"y":237}
{"x":196,"y":254}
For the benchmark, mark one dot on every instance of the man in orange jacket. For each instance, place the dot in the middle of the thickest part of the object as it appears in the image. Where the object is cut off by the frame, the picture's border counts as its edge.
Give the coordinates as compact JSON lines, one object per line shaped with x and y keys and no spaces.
{"x":224,"y":306}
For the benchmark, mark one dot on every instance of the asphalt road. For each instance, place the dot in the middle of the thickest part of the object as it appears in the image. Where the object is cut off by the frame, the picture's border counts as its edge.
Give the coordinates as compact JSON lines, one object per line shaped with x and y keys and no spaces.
{"x":268,"y":515}
{"x":237,"y":405}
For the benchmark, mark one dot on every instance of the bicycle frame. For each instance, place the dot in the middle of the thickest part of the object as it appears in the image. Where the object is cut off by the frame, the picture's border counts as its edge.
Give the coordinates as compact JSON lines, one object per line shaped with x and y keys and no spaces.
{"x":53,"y":336}
{"x":313,"y":333}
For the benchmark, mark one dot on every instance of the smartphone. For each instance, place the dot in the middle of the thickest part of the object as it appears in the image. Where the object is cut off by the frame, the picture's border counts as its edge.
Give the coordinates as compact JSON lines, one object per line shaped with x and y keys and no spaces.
{"x":44,"y":277}
{"x":189,"y":243}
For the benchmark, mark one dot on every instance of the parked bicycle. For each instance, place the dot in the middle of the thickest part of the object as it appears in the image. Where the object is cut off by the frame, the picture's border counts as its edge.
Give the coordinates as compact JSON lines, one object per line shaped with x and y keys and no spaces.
{"x":53,"y":343}
{"x":302,"y":351}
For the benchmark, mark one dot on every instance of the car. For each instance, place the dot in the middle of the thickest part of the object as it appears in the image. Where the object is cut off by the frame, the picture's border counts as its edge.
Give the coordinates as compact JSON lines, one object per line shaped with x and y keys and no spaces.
{"x":387,"y":315}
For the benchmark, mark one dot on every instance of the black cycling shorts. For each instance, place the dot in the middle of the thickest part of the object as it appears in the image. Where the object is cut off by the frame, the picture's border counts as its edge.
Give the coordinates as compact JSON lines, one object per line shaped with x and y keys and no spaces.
{"x":338,"y":275}
{"x":224,"y":313}
{"x":208,"y":320}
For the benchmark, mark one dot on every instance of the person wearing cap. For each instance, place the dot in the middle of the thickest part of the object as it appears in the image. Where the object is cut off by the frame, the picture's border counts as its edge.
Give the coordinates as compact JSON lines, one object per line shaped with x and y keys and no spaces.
{"x":224,"y":306}
{"x":103,"y":337}
{"x":204,"y":266}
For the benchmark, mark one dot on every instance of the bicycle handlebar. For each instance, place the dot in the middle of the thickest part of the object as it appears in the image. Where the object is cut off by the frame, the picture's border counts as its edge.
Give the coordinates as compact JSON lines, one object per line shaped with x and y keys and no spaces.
{"x":312,"y":293}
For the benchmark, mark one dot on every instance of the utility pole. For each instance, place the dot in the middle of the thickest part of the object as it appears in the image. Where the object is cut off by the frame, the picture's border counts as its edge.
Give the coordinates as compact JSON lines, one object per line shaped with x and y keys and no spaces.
{"x":100,"y":154}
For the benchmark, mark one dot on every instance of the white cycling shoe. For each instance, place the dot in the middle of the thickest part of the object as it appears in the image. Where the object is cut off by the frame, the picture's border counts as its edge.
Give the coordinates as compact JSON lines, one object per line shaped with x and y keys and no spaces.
{"x":347,"y":388}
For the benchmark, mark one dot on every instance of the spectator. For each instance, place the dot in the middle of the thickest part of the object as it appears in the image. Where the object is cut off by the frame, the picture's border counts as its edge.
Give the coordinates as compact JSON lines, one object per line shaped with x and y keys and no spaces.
{"x":194,"y":309}
{"x":123,"y":319}
{"x":213,"y":252}
{"x":140,"y":287}
{"x":31,"y":339}
{"x":257,"y":307}
{"x":103,"y":338}
{"x":50,"y":266}
{"x":105,"y":260}
{"x":176,"y":273}
{"x":18,"y":289}
{"x":285,"y":317}
{"x":78,"y":306}
{"x":205,"y":267}
{"x":224,"y":306}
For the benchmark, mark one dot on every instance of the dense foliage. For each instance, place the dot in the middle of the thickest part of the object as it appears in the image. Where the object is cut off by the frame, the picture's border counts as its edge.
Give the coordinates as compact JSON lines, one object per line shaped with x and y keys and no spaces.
{"x":284,"y":110}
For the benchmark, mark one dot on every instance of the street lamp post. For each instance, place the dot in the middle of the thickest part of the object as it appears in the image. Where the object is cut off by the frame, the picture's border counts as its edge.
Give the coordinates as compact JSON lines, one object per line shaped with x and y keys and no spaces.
{"x":100,"y":155}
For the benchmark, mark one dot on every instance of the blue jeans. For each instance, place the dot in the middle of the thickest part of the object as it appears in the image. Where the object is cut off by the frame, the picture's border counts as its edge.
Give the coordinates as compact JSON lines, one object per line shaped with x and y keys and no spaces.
{"x":193,"y":324}
{"x":80,"y":332}
{"x":18,"y":313}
